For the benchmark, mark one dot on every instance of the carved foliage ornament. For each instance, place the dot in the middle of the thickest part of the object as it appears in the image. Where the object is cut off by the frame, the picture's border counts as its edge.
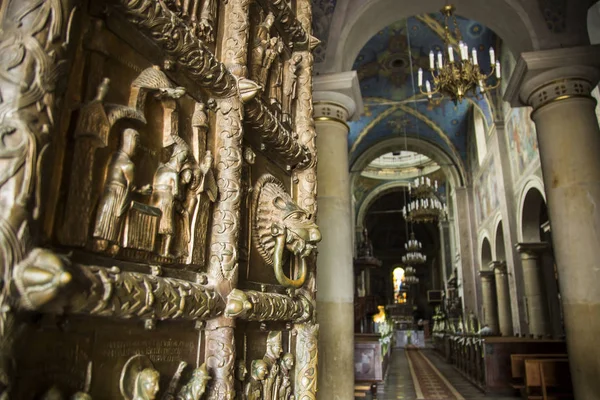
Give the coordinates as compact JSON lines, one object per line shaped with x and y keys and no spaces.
{"x":179,"y":41}
{"x":280,"y":227}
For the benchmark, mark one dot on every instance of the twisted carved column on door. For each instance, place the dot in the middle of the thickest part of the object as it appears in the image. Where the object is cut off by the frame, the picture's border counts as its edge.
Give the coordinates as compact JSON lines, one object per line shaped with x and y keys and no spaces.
{"x":223,"y":257}
{"x":306,"y":341}
{"x":38,"y":39}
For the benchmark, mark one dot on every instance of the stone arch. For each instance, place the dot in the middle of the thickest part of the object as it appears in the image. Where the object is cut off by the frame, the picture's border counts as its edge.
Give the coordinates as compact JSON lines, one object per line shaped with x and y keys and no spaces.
{"x":499,"y":244}
{"x":521,"y":34}
{"x":532,"y":206}
{"x":485,"y":254}
{"x":453,"y":169}
{"x":593,"y":23}
{"x":372,"y":197}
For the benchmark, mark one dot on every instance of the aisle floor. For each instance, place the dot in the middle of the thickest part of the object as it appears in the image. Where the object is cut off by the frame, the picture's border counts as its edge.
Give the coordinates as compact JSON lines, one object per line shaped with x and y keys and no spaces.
{"x":422,"y":375}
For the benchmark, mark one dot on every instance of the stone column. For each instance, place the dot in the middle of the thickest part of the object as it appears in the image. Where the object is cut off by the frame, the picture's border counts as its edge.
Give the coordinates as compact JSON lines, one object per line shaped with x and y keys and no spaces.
{"x":467,"y":274}
{"x":557,"y":84}
{"x":503,"y":298}
{"x":490,"y":306}
{"x":333,"y":106}
{"x":535,"y":292}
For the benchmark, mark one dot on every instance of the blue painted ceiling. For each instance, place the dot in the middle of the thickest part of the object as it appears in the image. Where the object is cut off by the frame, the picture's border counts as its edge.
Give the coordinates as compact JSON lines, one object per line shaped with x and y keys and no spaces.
{"x":384,"y":68}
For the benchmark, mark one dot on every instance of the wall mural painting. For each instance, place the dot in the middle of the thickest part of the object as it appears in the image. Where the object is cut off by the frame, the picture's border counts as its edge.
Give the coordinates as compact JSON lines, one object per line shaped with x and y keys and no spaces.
{"x":486,"y":192}
{"x":522,"y":140}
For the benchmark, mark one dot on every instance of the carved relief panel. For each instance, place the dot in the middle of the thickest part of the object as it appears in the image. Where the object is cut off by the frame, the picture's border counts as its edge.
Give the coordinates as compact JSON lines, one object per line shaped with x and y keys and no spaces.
{"x":157,"y":229}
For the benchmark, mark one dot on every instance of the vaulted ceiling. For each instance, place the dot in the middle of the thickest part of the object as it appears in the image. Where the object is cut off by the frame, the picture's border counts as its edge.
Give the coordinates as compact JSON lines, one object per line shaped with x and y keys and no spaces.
{"x":387,"y":67}
{"x":388,"y":61}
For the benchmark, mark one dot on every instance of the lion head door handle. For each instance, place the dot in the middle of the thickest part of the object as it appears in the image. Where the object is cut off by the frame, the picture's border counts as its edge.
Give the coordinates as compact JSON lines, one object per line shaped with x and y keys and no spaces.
{"x":281,"y":228}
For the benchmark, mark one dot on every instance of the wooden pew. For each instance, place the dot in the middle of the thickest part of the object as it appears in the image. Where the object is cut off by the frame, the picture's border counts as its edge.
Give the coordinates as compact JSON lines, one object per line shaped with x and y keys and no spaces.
{"x":517,"y":366}
{"x":550,"y":376}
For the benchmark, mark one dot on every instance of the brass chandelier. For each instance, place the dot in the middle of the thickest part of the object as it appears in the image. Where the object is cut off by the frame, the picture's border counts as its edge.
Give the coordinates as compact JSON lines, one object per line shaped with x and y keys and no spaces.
{"x":424,"y":205}
{"x":410,"y":277}
{"x":413,"y":254}
{"x":457,"y":77}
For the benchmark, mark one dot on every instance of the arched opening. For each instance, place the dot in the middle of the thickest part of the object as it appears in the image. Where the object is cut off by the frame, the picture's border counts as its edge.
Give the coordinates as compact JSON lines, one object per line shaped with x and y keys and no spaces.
{"x":480,"y":136}
{"x":500,"y":248}
{"x":593,"y":23}
{"x":533,"y":216}
{"x":399,"y":290}
{"x":486,"y":253}
{"x":535,"y":227}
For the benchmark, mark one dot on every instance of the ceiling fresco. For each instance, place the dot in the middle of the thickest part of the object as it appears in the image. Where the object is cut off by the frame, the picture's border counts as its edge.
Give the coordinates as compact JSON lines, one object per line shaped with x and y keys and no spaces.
{"x":384,"y":68}
{"x":321,"y":23}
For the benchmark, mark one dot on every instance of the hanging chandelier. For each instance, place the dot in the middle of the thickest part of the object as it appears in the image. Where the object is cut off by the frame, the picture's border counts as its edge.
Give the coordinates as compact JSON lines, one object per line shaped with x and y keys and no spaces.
{"x":425,"y":205}
{"x":410,"y":277}
{"x":457,"y":77}
{"x":413,"y":254}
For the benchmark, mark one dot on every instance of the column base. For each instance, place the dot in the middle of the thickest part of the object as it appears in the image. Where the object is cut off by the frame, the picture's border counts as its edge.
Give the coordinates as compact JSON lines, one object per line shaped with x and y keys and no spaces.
{"x":583,"y":331}
{"x":336,"y":356}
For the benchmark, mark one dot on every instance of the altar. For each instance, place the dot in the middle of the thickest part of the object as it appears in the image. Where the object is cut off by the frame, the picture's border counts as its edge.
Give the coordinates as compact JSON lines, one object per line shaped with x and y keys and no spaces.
{"x":404,"y":338}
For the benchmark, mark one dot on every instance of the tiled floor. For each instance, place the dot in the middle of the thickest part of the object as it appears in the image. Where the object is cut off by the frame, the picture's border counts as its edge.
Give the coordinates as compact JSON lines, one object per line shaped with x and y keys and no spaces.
{"x":399,"y":382}
{"x":463,"y":386}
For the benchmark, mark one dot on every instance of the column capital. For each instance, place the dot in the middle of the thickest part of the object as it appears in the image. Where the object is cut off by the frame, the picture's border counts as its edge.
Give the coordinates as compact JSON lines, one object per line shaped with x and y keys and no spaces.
{"x":547,"y":76}
{"x":337,"y":96}
{"x":498,"y":267}
{"x":533,"y":249}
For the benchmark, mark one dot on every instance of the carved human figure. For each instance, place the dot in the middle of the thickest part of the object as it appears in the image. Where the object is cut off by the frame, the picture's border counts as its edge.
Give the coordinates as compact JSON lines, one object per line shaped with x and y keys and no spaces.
{"x":276,"y":81}
{"x":208,"y":16}
{"x":240,"y":376}
{"x":195,"y":180}
{"x":114,"y":201}
{"x":196,"y":387}
{"x":139,"y":380}
{"x":258,"y":373}
{"x":366,"y":247}
{"x":290,"y":78}
{"x":273,"y":50}
{"x":271,"y":357}
{"x":146,"y":385}
{"x":166,"y":190}
{"x":285,"y":389}
{"x":259,"y":47}
{"x":200,"y":125}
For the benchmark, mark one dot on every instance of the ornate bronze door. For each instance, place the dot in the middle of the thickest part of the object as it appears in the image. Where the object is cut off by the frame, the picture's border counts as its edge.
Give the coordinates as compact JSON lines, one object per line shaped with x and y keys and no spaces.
{"x":157,"y":200}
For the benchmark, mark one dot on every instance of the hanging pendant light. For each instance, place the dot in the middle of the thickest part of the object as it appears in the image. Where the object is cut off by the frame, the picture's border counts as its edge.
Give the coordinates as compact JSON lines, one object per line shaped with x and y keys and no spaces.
{"x":425,"y":204}
{"x":457,"y":75}
{"x":413,"y":254}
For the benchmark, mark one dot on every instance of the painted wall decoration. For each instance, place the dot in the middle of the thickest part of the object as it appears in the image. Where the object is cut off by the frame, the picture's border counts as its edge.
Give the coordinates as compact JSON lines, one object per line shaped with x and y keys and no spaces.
{"x":321,"y":23}
{"x":522,"y":140}
{"x":486,"y":190}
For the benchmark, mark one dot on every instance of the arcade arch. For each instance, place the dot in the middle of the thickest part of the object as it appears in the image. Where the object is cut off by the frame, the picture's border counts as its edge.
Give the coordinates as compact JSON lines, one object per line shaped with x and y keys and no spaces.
{"x":486,"y":253}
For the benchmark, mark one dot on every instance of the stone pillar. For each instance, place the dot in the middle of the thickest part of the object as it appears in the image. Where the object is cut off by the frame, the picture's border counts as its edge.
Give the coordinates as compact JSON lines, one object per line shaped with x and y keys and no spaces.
{"x":503,"y":298}
{"x":467,"y":275}
{"x":490,"y":306}
{"x":333,"y":106}
{"x":557,"y":84}
{"x":535,"y":292}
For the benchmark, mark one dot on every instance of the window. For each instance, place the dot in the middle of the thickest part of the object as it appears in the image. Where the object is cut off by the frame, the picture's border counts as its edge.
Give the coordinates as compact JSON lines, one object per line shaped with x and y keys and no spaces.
{"x":480,"y":138}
